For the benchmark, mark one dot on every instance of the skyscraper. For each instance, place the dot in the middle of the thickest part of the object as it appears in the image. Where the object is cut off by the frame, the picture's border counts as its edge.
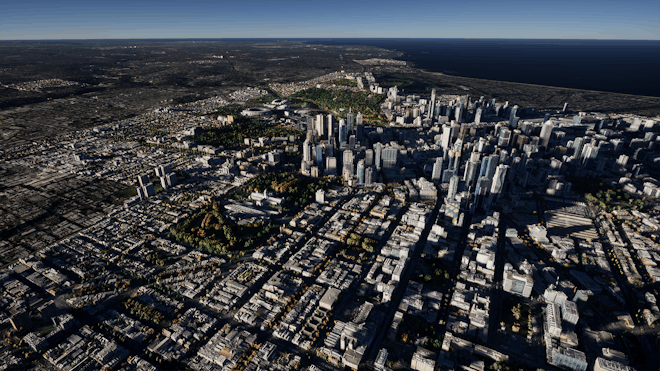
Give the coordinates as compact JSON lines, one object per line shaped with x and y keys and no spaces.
{"x":498,"y":179}
{"x":390,"y":157}
{"x":431,"y":112}
{"x":369,"y":158}
{"x":359,"y":126}
{"x":331,"y":165}
{"x":368,"y":175}
{"x":307,"y":151}
{"x":360,"y":172}
{"x":319,"y":156}
{"x":350,"y":120}
{"x":477,"y":115}
{"x":378,"y":149}
{"x":453,"y":187}
{"x":546,"y":133}
{"x":320,"y":127}
{"x":343,"y":134}
{"x":471,"y":170}
{"x":437,"y":169}
{"x":330,"y":121}
{"x":513,"y":123}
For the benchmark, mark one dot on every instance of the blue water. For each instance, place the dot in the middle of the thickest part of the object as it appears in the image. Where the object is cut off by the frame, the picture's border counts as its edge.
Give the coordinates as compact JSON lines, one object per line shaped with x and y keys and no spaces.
{"x":619,"y":66}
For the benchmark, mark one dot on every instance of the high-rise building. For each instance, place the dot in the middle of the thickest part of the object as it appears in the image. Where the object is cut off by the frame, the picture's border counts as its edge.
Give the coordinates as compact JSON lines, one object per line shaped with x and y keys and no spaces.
{"x":343,"y":134}
{"x":320,"y":126}
{"x":512,"y":122}
{"x":331,"y":129}
{"x":350,"y":121}
{"x":589,"y":153}
{"x":319,"y":156}
{"x":453,"y":187}
{"x":331,"y":165}
{"x":471,"y":173}
{"x":330,"y":121}
{"x":359,"y":126}
{"x":546,"y":133}
{"x":492,"y":166}
{"x":437,"y":169}
{"x":369,"y":158}
{"x":307,"y":151}
{"x":378,"y":149}
{"x":480,"y":193}
{"x":477,"y":115}
{"x":368,"y":175}
{"x":351,"y":142}
{"x":498,"y":180}
{"x":360,"y":172}
{"x":390,"y":157}
{"x":446,"y":136}
{"x":431,"y":112}
{"x":347,"y":162}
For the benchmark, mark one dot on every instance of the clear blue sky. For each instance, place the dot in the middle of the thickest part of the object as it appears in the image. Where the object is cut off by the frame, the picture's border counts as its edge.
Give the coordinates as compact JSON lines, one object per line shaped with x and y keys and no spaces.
{"x":119,"y":19}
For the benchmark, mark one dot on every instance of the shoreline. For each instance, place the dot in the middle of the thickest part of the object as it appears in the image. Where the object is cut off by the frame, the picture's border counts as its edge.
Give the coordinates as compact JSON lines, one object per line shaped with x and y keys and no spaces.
{"x":533,"y":85}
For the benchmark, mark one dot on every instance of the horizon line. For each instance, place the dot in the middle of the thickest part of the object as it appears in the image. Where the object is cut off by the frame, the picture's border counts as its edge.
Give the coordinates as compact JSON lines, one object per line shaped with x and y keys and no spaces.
{"x":319,"y":38}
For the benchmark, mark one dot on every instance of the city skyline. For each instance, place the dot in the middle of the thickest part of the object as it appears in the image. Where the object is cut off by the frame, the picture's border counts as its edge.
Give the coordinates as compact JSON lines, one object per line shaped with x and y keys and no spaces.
{"x":31,"y":20}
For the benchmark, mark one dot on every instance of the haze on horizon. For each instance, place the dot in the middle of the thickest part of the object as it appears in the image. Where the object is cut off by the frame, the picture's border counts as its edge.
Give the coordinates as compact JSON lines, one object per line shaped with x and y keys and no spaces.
{"x":145,"y":19}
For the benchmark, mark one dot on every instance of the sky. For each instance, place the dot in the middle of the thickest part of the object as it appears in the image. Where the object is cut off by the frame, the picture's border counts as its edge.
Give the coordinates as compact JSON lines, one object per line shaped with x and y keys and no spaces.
{"x":145,"y":19}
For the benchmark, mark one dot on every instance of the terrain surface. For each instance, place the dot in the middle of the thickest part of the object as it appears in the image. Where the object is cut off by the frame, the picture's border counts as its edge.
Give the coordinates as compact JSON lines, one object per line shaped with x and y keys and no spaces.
{"x":48,"y":88}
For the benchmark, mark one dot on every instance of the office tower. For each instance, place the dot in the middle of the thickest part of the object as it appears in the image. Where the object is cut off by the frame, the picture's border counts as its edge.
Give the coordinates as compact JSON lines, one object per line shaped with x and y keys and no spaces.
{"x":320,"y":126}
{"x":368,"y":175}
{"x":330,"y":121}
{"x":319,"y":156}
{"x":307,"y":151}
{"x":448,"y":111}
{"x":446,"y":136}
{"x":498,"y":179}
{"x":479,"y":193}
{"x":331,"y":165}
{"x":459,"y":113}
{"x":471,"y":172}
{"x":589,"y":153}
{"x":546,"y":133}
{"x":437,"y":169}
{"x":347,"y":164}
{"x":350,"y":121}
{"x":578,"y":143}
{"x":343,"y":134}
{"x":477,"y":115}
{"x":483,"y":170}
{"x":452,"y":158}
{"x":504,"y":156}
{"x":369,"y":158}
{"x":331,"y":129}
{"x":351,"y":142}
{"x":431,"y":112}
{"x":360,"y":172}
{"x":378,"y":149}
{"x":512,"y":116}
{"x":310,"y":123}
{"x":492,"y":166}
{"x":453,"y":187}
{"x":389,"y":158}
{"x":359,"y":126}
